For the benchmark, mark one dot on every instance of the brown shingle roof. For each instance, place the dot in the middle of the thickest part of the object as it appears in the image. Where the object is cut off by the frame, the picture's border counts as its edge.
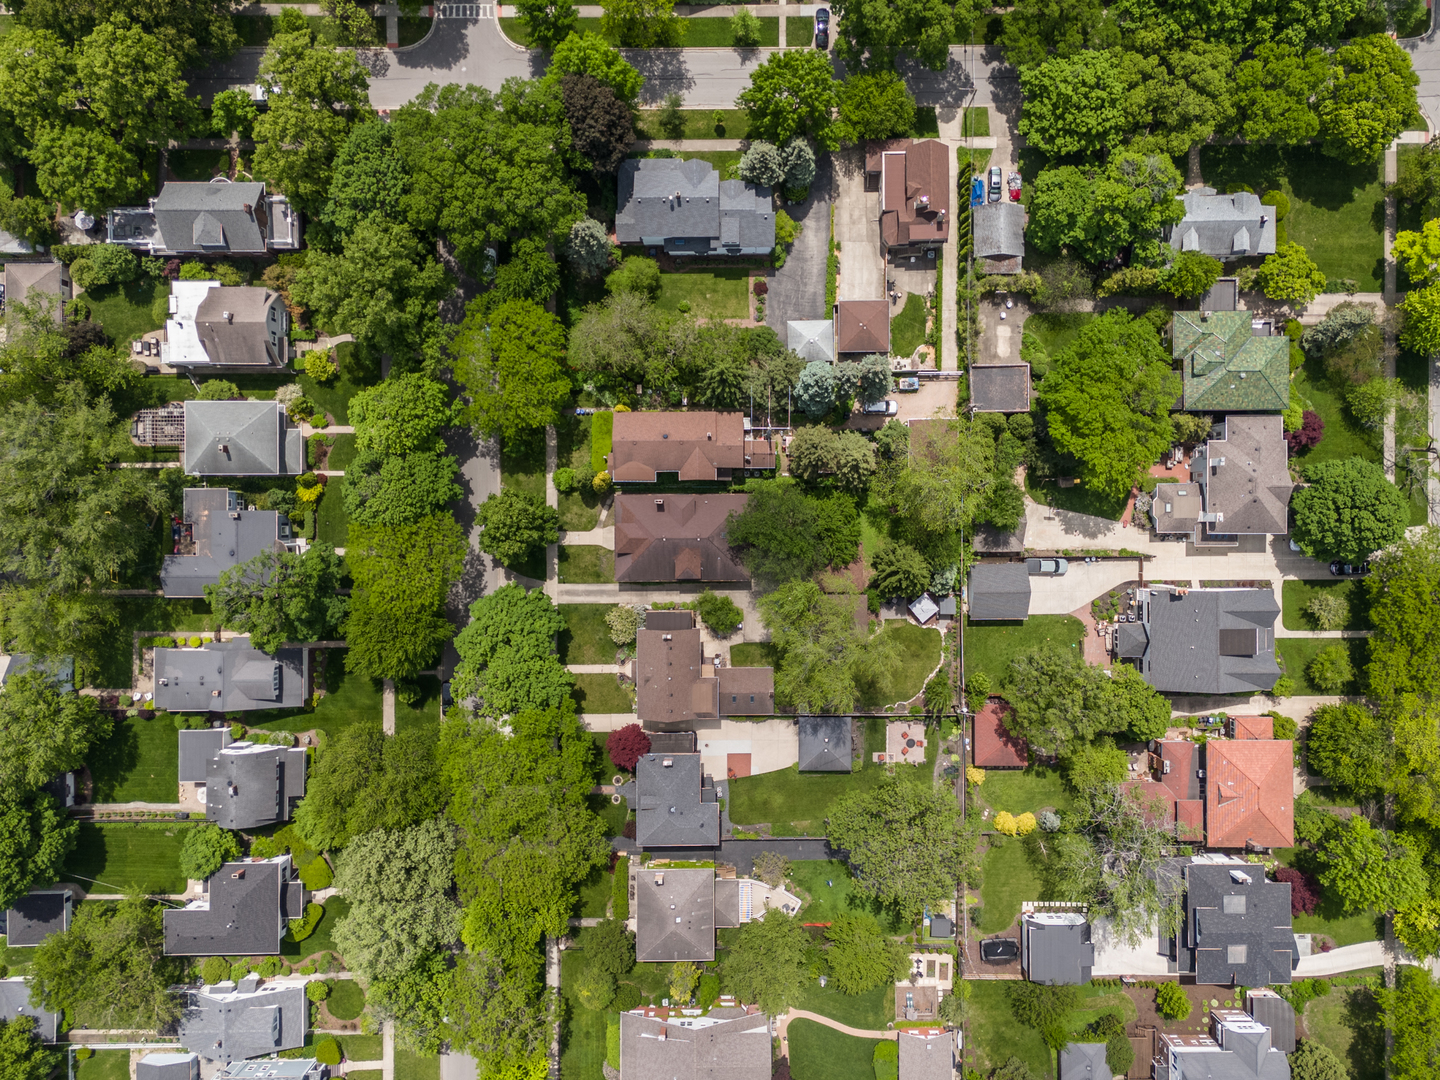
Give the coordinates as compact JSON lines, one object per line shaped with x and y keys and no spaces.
{"x":676,"y":538}
{"x":697,"y":445}
{"x":914,"y":190}
{"x":676,"y":684}
{"x":862,"y":326}
{"x":242,"y":338}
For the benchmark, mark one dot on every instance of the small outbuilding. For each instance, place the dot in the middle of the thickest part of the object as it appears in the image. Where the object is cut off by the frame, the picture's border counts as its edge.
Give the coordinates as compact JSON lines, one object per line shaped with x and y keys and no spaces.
{"x":1002,"y":388}
{"x":811,"y":339}
{"x":999,"y":231}
{"x":826,"y":744}
{"x":999,"y":592}
{"x":1084,"y":1061}
{"x":37,"y":915}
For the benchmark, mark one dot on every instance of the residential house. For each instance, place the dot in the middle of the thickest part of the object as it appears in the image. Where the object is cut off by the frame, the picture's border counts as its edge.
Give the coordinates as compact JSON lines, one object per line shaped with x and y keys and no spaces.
{"x":1202,"y":641}
{"x":999,"y":592}
{"x":1055,"y":947}
{"x":168,"y":1066}
{"x":826,"y":744}
{"x":244,"y":911}
{"x":246,"y":785}
{"x":218,"y":217}
{"x":678,"y":910}
{"x":276,"y":1069}
{"x":59,"y":670}
{"x":29,"y":282}
{"x":686,"y":209}
{"x":1084,"y":1061}
{"x":230,"y":676}
{"x":15,"y":1003}
{"x":1236,"y":1048}
{"x":231,"y":1022}
{"x":1238,"y":930}
{"x":995,"y":747}
{"x":1174,"y":799}
{"x":676,"y":684}
{"x":1270,"y":1009}
{"x":926,"y":1054}
{"x":676,"y":538}
{"x":913,"y":180}
{"x":724,"y":1044}
{"x":1225,"y":227}
{"x":1002,"y":388}
{"x":216,"y":532}
{"x":226,"y":328}
{"x":674,"y":802}
{"x":695,"y":445}
{"x":1239,"y":485}
{"x":862,"y":326}
{"x":812,"y":340}
{"x":241,"y":438}
{"x":998,"y":229}
{"x":1230,"y":362}
{"x":36,"y":915}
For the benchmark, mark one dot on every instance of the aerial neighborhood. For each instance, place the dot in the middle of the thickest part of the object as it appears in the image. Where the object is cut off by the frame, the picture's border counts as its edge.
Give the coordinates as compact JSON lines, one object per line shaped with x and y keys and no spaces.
{"x":639,"y":541}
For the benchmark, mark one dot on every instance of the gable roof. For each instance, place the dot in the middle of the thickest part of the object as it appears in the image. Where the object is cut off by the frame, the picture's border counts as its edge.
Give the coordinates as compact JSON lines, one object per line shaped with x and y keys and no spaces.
{"x":211,"y":216}
{"x":247,"y":785}
{"x":36,"y":915}
{"x":1056,"y":948}
{"x":1246,"y":474}
{"x":697,"y":445}
{"x":1249,"y":793}
{"x":826,"y":744}
{"x":862,"y":326}
{"x":225,"y":1023}
{"x":660,"y":200}
{"x":674,"y":915}
{"x":999,"y":229}
{"x":676,"y":684}
{"x":999,"y":592}
{"x":674,"y":803}
{"x":243,"y":912}
{"x":1225,"y":367}
{"x":676,"y":538}
{"x":1084,"y":1061}
{"x":914,"y":190}
{"x":230,"y":322}
{"x":1001,"y":388}
{"x":927,"y":1056}
{"x":1238,"y":923}
{"x":812,"y":339}
{"x":168,"y":1067}
{"x":225,"y":535}
{"x":241,"y":438}
{"x":15,"y":1002}
{"x":230,"y":676}
{"x":1224,"y":226}
{"x":44,"y":278}
{"x":737,"y":1047}
{"x":197,"y":747}
{"x":1209,"y":641}
{"x":995,"y":747}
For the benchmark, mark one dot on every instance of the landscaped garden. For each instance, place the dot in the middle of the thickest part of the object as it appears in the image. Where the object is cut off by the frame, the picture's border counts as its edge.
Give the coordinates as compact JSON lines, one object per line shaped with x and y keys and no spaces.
{"x":321,"y":941}
{"x":1022,"y":791}
{"x":1296,"y":653}
{"x":333,"y":396}
{"x":1350,"y":1022}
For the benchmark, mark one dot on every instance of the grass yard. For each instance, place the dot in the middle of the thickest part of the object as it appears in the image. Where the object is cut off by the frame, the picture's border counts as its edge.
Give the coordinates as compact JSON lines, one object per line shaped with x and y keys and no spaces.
{"x":799,"y":31}
{"x":995,"y":1037}
{"x":753,"y":654}
{"x":989,"y":647}
{"x":346,"y":1000}
{"x":1296,"y":653}
{"x":927,"y":124}
{"x":122,"y":857}
{"x":586,"y":637}
{"x":1349,"y":1021}
{"x":975,"y":122}
{"x":579,"y":510}
{"x":410,"y":1066}
{"x":333,"y":525}
{"x":821,"y":1053}
{"x":1343,"y":929}
{"x":831,"y":891}
{"x":582,"y":1032}
{"x":361,"y":1047}
{"x":1007,"y":880}
{"x":1095,"y":1002}
{"x":198,"y":165}
{"x":907,"y":329}
{"x":586,"y":564}
{"x":711,"y":294}
{"x":1336,"y":210}
{"x":334,"y":396}
{"x":352,"y":699}
{"x":1018,"y":790}
{"x":104,"y":1065}
{"x":336,"y":908}
{"x":1294,"y":595}
{"x":699,"y":123}
{"x":919,"y":651}
{"x":125,"y":310}
{"x":594,"y":894}
{"x":1076,"y":499}
{"x":139,"y":762}
{"x":342,"y":452}
{"x":1044,"y":334}
{"x":1343,"y":437}
{"x":522,"y":466}
{"x":16,"y":960}
{"x":602,"y":694}
{"x":870,"y":1011}
{"x":113,"y":666}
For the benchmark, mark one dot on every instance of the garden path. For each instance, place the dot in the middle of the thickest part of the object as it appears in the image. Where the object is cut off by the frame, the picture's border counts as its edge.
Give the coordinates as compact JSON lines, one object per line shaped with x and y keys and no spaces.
{"x":783,"y":1026}
{"x":552,"y":500}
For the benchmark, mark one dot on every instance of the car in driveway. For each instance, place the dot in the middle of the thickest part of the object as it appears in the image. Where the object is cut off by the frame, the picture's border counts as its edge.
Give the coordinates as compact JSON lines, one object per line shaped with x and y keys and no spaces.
{"x":822,"y":28}
{"x":1342,"y":569}
{"x":997,"y":178}
{"x":888,"y":407}
{"x":1046,"y":567}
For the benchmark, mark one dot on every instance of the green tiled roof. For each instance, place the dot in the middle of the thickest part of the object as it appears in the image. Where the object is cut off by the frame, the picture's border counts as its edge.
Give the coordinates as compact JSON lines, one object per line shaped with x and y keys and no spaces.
{"x":1226,"y":368}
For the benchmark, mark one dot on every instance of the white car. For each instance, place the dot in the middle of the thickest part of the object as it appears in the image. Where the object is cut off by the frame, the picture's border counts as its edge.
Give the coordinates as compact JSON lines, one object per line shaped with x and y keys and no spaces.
{"x":888,"y":407}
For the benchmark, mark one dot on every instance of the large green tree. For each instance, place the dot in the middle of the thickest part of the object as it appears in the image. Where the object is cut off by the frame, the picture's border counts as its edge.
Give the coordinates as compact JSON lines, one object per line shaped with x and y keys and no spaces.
{"x":792,"y":94}
{"x":400,"y":489}
{"x":364,"y":780}
{"x":784,"y":534}
{"x":512,"y":366}
{"x":1074,"y":104}
{"x":1273,"y":92}
{"x":1290,"y":274}
{"x":205,"y":849}
{"x":402,"y":415}
{"x":861,"y":955}
{"x":1243,"y":22}
{"x":1034,"y":29}
{"x":369,"y":177}
{"x":22,"y":1055}
{"x":515,"y":523}
{"x":590,"y":54}
{"x":1412,"y":1016}
{"x":548,"y":22}
{"x":824,"y":661}
{"x":1348,"y":510}
{"x":279,"y":596}
{"x":875,"y":105}
{"x":642,"y":24}
{"x":507,"y":653}
{"x":1177,"y":95}
{"x":44,"y":731}
{"x":1367,"y":868}
{"x":1094,"y":211}
{"x":1404,"y":593}
{"x":1350,"y":746}
{"x":36,"y":835}
{"x":190,"y":30}
{"x":878,"y":32}
{"x":1107,"y":400}
{"x":767,"y":963}
{"x":1369,"y":99}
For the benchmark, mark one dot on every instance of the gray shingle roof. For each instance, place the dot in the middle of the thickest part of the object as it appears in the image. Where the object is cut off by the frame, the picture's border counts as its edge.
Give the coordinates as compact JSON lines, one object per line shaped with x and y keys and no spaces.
{"x":242,"y":338}
{"x":1247,"y":476}
{"x":37,"y":915}
{"x":674,"y":915}
{"x":1084,"y":1061}
{"x":685,"y":206}
{"x":243,"y":913}
{"x":210,"y":216}
{"x":222,"y":1024}
{"x":999,"y":229}
{"x":168,"y":1067}
{"x":671,"y":804}
{"x":247,"y":786}
{"x":15,"y":1001}
{"x":24,"y":281}
{"x":1241,"y":933}
{"x":186,"y":680}
{"x":1190,"y":651}
{"x":926,"y":1057}
{"x":1000,"y":387}
{"x":1056,"y":949}
{"x":811,"y":339}
{"x":197,"y":747}
{"x":241,"y":438}
{"x":826,"y":744}
{"x":225,"y":536}
{"x":1276,"y":1014}
{"x":694,"y":1049}
{"x":1223,"y":226}
{"x":999,"y":591}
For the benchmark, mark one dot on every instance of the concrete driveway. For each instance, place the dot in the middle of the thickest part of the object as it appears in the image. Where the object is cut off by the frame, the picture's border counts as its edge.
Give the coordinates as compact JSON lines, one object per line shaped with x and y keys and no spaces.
{"x":797,"y":289}
{"x":857,"y":229}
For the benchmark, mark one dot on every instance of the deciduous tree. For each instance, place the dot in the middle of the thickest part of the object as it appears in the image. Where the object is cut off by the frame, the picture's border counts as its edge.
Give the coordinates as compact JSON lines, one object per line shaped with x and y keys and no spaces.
{"x":879,"y":31}
{"x":861,"y":956}
{"x":642,"y":24}
{"x":279,"y":596}
{"x":511,"y":363}
{"x":515,"y":523}
{"x":364,"y":780}
{"x":1368,"y":868}
{"x":400,"y":489}
{"x":1369,"y":99}
{"x":793,"y":93}
{"x":44,"y":731}
{"x":1075,"y":104}
{"x":507,"y":653}
{"x":205,"y":849}
{"x":1273,"y":91}
{"x":589,"y":54}
{"x":766,"y":965}
{"x":627,"y":745}
{"x":1348,"y":510}
{"x":899,"y":570}
{"x":549,"y":22}
{"x":36,"y":835}
{"x":369,"y":178}
{"x":1035,"y":28}
{"x":823,"y":658}
{"x":22,"y":1055}
{"x":601,"y":124}
{"x":875,"y":105}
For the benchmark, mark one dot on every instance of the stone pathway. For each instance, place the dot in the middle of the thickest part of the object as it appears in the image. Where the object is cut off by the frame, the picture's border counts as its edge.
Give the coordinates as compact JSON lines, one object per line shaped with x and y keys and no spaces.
{"x":387,"y":706}
{"x":783,"y":1024}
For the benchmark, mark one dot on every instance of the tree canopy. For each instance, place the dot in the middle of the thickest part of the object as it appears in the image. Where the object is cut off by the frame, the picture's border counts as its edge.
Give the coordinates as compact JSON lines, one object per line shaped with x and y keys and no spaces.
{"x":365,"y":780}
{"x":44,"y":731}
{"x":793,"y":93}
{"x":1348,"y":510}
{"x":507,"y":653}
{"x":279,"y":596}
{"x":767,"y":963}
{"x":878,"y":32}
{"x":823,"y":660}
{"x":511,"y":362}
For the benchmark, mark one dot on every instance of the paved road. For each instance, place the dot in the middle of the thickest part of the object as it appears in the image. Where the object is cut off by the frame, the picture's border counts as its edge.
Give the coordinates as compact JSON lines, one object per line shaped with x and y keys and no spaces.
{"x":1425,"y":58}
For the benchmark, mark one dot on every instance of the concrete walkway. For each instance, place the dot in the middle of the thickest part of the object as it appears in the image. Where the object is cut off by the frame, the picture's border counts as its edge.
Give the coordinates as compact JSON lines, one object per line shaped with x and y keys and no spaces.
{"x":1280,"y":631}
{"x":552,"y":500}
{"x":387,"y":708}
{"x":695,"y":145}
{"x":608,"y":721}
{"x":593,"y":669}
{"x":593,"y":537}
{"x":387,"y":1064}
{"x":1347,"y":958}
{"x":584,"y":922}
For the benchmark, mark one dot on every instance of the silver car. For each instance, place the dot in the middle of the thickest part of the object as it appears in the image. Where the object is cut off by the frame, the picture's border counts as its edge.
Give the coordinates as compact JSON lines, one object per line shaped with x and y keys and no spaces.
{"x":997,"y":181}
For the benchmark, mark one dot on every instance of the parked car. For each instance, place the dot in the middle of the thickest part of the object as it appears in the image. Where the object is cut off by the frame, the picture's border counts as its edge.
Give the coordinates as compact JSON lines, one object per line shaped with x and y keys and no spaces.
{"x":997,"y":178}
{"x":1014,"y":185}
{"x":1340,"y":569}
{"x":1046,"y":567}
{"x":822,"y":28}
{"x":888,"y":407}
{"x":977,"y":191}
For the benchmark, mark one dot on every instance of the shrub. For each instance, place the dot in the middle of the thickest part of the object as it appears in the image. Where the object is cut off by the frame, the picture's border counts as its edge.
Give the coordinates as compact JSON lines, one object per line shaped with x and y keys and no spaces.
{"x":1049,"y":821}
{"x":1329,"y":611}
{"x":1285,"y":728}
{"x":721,"y":614}
{"x":269,"y":967}
{"x":1304,"y":890}
{"x":1025,"y":824}
{"x":601,"y":483}
{"x":327,"y":1050}
{"x":886,"y":1060}
{"x":1330,"y":669}
{"x":1280,"y":201}
{"x":636,"y":274}
{"x":627,"y":745}
{"x":302,"y":928}
{"x":214,"y":970}
{"x":162,"y":643}
{"x":1172,"y":1002}
{"x":708,"y":991}
{"x":628,"y":996}
{"x":316,"y":874}
{"x":317,"y":990}
{"x":1284,"y":687}
{"x":239,"y":971}
{"x":319,"y":366}
{"x":975,"y":775}
{"x":761,"y":287}
{"x":84,"y":1053}
{"x":1311,"y":431}
{"x":565,"y":481}
{"x":1005,"y":823}
{"x":595,"y":988}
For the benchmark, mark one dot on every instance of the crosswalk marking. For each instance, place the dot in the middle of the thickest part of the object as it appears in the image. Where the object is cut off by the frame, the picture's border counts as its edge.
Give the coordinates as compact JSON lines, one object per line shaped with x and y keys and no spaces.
{"x":465,"y":11}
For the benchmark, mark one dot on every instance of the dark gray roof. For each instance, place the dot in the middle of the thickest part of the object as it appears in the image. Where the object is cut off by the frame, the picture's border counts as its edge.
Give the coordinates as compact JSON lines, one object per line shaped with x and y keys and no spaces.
{"x":1056,"y":949}
{"x":671,"y":804}
{"x":999,"y":591}
{"x":37,"y":915}
{"x":187,"y":680}
{"x":1276,"y":1014}
{"x":241,"y":438}
{"x":196,"y":750}
{"x":248,"y":785}
{"x":1000,"y":387}
{"x":666,"y":200}
{"x":15,"y":1001}
{"x":825,"y":744}
{"x":694,"y":1049}
{"x":242,"y":914}
{"x":233,"y":324}
{"x":210,"y":216}
{"x":222,"y":1024}
{"x":678,"y":619}
{"x":1224,"y":295}
{"x":1130,"y":640}
{"x":225,"y":536}
{"x":1189,"y":652}
{"x":674,"y":915}
{"x":1084,"y":1061}
{"x":27,"y":281}
{"x":1246,"y":474}
{"x":1223,"y":226}
{"x":926,"y":1057}
{"x":941,"y":926}
{"x":1246,"y":1053}
{"x":999,"y":229}
{"x":1241,"y":933}
{"x":727,"y":901}
{"x":168,"y":1067}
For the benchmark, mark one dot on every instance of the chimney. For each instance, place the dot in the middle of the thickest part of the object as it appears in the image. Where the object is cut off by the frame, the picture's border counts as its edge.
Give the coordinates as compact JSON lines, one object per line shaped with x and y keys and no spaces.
{"x":247,"y":208}
{"x":238,"y":875}
{"x":668,"y":763}
{"x":227,"y":316}
{"x":660,"y":505}
{"x":708,"y":436}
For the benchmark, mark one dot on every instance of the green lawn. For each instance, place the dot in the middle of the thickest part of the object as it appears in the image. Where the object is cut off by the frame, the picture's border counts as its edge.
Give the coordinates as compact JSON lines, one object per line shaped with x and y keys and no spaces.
{"x":342,"y":452}
{"x":700,"y":33}
{"x":594,"y":893}
{"x":919,"y":652}
{"x":989,"y":647}
{"x":1045,"y":334}
{"x":995,"y":1037}
{"x":334,"y":396}
{"x":336,"y":908}
{"x":1343,"y":438}
{"x":346,"y":1000}
{"x":586,"y":637}
{"x":410,"y":1066}
{"x":799,"y":31}
{"x":125,"y":310}
{"x":1336,"y":210}
{"x":1296,"y":653}
{"x":1076,"y":499}
{"x":1349,"y":1021}
{"x":1294,"y":595}
{"x":821,"y":1053}
{"x":975,"y":122}
{"x":870,"y":1011}
{"x":333,"y":526}
{"x":699,"y":123}
{"x":753,"y":654}
{"x":927,"y":124}
{"x":602,"y":694}
{"x":712,"y":294}
{"x":1019,"y":790}
{"x":1095,"y":1002}
{"x":114,"y":858}
{"x":352,"y":699}
{"x":113,"y":667}
{"x":829,"y":890}
{"x":1343,"y":929}
{"x":907,"y":329}
{"x":1007,"y":880}
{"x":587,"y":564}
{"x":579,"y":510}
{"x":582,"y":1031}
{"x":16,"y":960}
{"x":198,"y":165}
{"x":522,"y":466}
{"x":361,"y":1047}
{"x":104,"y":1065}
{"x":139,"y":762}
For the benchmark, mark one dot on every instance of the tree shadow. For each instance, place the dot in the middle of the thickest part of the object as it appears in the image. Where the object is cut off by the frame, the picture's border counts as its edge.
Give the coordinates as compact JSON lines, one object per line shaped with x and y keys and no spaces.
{"x":113,"y":760}
{"x":1363,"y":1017}
{"x":1324,"y":181}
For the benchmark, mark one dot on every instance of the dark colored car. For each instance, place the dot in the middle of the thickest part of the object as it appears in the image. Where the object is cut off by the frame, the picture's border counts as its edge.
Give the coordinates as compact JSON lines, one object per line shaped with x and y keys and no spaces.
{"x":822,"y":28}
{"x":1340,"y":569}
{"x":999,"y":950}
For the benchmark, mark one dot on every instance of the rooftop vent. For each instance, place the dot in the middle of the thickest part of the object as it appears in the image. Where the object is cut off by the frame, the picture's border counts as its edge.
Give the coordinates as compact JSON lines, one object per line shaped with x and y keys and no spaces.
{"x":667,"y":763}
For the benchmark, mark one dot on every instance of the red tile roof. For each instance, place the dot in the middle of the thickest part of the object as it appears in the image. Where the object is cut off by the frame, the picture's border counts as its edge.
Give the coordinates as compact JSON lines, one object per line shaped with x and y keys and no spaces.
{"x":1152,"y":800}
{"x":1250,"y":793}
{"x":1254,"y":727}
{"x":995,"y":747}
